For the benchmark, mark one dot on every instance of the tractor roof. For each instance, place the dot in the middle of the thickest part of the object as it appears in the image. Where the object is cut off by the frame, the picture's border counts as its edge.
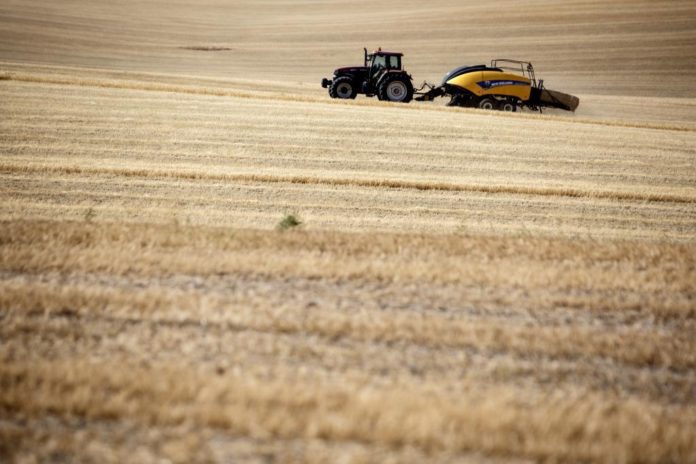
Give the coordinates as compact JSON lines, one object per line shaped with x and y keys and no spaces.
{"x":382,"y":52}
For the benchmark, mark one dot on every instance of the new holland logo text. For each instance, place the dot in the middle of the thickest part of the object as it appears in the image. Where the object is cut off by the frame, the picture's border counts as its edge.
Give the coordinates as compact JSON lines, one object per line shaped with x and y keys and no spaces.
{"x":491,"y":84}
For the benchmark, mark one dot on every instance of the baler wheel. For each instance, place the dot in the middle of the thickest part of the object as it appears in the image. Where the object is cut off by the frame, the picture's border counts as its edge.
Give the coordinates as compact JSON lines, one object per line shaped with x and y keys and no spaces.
{"x":508,"y":106}
{"x":488,"y":104}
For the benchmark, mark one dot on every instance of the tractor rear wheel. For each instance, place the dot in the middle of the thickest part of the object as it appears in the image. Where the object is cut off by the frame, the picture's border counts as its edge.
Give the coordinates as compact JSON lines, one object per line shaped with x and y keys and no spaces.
{"x":343,"y":87}
{"x":396,"y":89}
{"x":488,"y":104}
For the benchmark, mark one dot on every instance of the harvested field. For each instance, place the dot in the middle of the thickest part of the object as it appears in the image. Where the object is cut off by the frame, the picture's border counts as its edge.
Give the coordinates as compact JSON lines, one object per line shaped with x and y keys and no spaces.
{"x":465,"y":286}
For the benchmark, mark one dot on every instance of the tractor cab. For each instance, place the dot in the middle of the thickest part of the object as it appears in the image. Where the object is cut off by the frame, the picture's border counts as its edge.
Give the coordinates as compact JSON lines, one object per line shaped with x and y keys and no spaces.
{"x":380,"y":60}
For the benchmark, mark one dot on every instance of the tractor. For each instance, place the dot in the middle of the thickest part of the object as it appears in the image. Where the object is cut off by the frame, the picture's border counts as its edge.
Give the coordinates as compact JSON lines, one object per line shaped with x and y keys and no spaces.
{"x":380,"y":75}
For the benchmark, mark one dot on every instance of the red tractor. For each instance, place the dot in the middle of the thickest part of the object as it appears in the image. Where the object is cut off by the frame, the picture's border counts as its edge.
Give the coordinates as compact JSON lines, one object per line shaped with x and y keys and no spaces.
{"x":381,"y":75}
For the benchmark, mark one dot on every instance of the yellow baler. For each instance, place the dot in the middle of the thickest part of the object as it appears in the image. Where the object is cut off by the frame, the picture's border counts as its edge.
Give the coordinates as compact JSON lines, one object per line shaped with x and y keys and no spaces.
{"x":504,"y":85}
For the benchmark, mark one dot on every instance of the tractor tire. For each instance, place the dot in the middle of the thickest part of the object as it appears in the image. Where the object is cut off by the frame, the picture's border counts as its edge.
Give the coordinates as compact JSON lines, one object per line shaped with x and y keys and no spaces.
{"x":343,"y":87}
{"x":508,"y":105}
{"x":396,"y":89}
{"x":488,"y":104}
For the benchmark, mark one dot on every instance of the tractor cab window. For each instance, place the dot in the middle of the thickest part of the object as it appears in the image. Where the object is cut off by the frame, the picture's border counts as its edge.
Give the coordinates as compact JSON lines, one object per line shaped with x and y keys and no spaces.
{"x":394,"y":62}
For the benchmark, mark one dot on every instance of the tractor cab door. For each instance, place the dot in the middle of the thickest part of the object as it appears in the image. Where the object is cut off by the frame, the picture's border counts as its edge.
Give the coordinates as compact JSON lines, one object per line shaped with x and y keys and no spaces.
{"x":379,"y":63}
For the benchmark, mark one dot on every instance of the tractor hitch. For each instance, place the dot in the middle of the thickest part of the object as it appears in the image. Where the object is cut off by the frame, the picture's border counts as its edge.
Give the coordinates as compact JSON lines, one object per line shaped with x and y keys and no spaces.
{"x":325,"y":82}
{"x":431,"y":94}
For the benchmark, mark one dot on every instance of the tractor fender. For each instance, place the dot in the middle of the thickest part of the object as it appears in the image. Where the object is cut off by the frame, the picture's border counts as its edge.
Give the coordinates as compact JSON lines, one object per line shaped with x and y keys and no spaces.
{"x":390,"y":73}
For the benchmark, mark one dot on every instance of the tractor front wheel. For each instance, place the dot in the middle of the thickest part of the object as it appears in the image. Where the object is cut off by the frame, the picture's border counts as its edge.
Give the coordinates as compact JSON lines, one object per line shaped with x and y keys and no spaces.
{"x":343,"y":87}
{"x":396,"y":89}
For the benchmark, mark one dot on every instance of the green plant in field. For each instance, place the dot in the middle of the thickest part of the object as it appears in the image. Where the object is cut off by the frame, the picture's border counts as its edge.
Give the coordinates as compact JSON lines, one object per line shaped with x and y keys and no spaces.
{"x":90,"y":214}
{"x":288,"y":222}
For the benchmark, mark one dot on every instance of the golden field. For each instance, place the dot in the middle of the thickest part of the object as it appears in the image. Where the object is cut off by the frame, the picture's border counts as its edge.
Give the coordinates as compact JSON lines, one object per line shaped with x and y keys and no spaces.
{"x":466,"y":286}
